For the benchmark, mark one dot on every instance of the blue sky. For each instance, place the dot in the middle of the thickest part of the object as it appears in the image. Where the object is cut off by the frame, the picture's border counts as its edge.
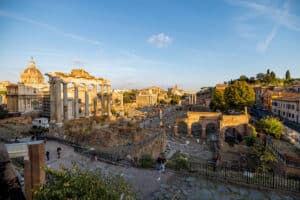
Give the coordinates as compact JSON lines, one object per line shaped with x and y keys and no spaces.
{"x":141,"y":43}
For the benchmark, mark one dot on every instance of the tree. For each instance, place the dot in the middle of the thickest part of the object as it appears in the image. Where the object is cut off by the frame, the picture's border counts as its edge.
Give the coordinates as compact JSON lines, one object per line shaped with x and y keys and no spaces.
{"x":260,"y":77}
{"x":271,"y":126}
{"x":83,"y":184}
{"x":218,"y":101}
{"x":243,"y":78}
{"x":273,"y":75}
{"x":288,"y":75}
{"x":239,"y":95}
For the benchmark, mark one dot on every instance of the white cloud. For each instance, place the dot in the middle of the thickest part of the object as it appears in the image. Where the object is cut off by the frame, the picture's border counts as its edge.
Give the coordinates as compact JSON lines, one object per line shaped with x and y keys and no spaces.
{"x":278,"y":15}
{"x":160,"y":40}
{"x":48,"y":27}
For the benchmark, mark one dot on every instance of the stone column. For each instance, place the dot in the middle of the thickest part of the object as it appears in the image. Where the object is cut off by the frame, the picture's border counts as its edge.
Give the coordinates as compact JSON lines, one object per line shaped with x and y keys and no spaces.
{"x":86,"y":103}
{"x":58,"y":102}
{"x":176,"y":129}
{"x":102,"y":99}
{"x":52,"y":100}
{"x":109,"y":100}
{"x":76,"y":106}
{"x":109,"y":104}
{"x":203,"y":131}
{"x":95,"y":100}
{"x":65,"y":100}
{"x":189,"y":130}
{"x":95,"y":106}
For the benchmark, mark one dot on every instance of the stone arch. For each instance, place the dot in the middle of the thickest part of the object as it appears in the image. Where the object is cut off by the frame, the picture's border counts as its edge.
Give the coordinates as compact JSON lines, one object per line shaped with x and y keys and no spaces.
{"x":232,"y":135}
{"x":196,"y":129}
{"x":211,"y":130}
{"x":182,"y":128}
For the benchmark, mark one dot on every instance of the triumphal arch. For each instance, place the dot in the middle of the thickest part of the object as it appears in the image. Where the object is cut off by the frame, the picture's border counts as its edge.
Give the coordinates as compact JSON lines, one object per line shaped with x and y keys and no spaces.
{"x":218,"y":120}
{"x":78,"y":94}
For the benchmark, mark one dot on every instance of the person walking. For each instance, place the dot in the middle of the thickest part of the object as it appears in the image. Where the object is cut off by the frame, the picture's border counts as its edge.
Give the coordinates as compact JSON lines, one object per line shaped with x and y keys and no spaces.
{"x":48,"y":155}
{"x":58,"y":152}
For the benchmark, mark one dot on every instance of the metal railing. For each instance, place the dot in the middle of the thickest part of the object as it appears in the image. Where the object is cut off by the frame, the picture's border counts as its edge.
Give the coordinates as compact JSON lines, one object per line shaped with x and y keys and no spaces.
{"x":238,"y":176}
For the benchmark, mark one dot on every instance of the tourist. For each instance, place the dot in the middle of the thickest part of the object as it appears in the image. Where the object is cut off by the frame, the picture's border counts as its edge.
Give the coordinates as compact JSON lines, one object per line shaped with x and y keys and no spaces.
{"x":58,"y":152}
{"x":48,"y":155}
{"x":163,"y":161}
{"x":158,"y":163}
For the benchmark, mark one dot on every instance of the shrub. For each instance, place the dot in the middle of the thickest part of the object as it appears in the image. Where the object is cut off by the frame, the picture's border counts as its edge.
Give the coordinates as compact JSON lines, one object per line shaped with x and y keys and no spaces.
{"x":249,"y":139}
{"x":146,"y":161}
{"x":170,"y":164}
{"x":181,"y":163}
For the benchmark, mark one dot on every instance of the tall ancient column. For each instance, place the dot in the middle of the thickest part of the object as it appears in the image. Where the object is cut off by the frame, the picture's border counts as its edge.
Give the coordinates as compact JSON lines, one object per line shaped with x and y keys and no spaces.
{"x":65,"y":100}
{"x":108,"y":101}
{"x":52,"y":100}
{"x":58,"y":101}
{"x":95,"y":100}
{"x":86,"y":103}
{"x":76,"y":106}
{"x":102,"y":99}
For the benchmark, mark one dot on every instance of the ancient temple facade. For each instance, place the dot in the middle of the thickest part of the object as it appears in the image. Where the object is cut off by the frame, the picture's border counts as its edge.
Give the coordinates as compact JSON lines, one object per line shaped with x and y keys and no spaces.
{"x":78,"y":94}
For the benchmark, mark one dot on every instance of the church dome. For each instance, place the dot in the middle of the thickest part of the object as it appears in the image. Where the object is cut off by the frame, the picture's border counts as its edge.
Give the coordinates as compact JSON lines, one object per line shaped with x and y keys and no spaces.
{"x":31,"y":75}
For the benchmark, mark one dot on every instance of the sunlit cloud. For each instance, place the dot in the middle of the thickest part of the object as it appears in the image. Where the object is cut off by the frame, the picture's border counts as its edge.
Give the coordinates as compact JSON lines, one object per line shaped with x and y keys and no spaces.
{"x":279,"y":16}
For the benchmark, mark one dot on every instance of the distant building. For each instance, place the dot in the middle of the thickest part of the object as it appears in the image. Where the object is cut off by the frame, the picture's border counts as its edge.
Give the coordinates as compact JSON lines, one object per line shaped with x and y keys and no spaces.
{"x":221,"y":86}
{"x":27,"y":95}
{"x":287,"y":107}
{"x":3,"y":90}
{"x":176,"y":91}
{"x":146,"y":98}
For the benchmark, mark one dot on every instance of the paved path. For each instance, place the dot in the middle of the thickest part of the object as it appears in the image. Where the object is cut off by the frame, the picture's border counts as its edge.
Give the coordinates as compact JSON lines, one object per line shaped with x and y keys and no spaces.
{"x":154,"y":185}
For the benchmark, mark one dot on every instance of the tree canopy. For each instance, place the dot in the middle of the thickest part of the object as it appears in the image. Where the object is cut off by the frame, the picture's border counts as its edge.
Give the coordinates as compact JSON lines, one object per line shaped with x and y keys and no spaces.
{"x":83,"y":184}
{"x":271,"y":126}
{"x":218,"y":101}
{"x":288,"y":75}
{"x":239,"y":95}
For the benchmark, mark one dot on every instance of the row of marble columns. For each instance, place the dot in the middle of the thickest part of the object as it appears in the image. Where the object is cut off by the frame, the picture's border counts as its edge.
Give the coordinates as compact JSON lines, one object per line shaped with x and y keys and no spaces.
{"x":192,"y":99}
{"x":57,"y":103}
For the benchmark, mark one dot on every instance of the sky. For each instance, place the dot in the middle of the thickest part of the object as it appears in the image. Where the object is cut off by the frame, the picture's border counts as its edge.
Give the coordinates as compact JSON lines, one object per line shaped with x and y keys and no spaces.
{"x":140,"y":43}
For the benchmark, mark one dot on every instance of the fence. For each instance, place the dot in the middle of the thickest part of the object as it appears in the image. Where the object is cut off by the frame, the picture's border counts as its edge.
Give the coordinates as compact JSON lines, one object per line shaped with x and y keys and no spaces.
{"x":226,"y":174}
